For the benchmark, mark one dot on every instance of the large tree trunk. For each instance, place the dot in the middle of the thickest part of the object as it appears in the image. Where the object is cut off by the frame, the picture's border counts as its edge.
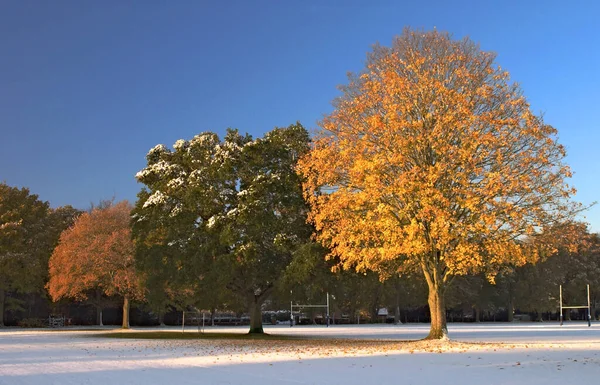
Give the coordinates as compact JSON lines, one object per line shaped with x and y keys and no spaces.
{"x":256,"y":326}
{"x":477,"y":314}
{"x":2,"y":295}
{"x":161,"y":318}
{"x":437,"y":309}
{"x":437,"y":306}
{"x":125,"y":313}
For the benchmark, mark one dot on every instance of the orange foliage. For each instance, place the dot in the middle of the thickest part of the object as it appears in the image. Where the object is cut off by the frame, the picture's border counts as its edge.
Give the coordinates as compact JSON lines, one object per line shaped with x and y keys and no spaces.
{"x":568,"y":237}
{"x":96,"y":252}
{"x":432,"y":159}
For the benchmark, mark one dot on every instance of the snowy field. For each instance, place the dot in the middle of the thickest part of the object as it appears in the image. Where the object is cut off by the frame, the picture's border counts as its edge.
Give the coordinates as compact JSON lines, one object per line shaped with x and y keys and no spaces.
{"x":524,"y":353}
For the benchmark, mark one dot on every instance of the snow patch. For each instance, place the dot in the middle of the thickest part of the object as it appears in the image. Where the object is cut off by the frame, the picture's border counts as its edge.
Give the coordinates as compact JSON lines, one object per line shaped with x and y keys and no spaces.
{"x":180,"y":144}
{"x":157,"y":198}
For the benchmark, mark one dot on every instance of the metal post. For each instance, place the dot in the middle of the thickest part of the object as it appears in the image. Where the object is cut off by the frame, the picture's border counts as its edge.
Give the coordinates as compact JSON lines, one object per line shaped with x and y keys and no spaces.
{"x":202,"y":322}
{"x":291,"y":311}
{"x":183,"y":322}
{"x":589,"y":312}
{"x":561,"y":309}
{"x":327,"y":309}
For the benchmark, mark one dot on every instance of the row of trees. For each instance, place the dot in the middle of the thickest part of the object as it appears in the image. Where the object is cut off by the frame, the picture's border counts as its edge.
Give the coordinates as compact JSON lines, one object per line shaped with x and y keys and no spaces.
{"x":94,"y":259}
{"x":431,"y":165}
{"x":29,"y":231}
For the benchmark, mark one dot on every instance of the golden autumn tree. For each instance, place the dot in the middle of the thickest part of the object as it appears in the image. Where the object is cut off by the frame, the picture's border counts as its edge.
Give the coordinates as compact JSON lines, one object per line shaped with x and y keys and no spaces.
{"x":433,"y":160}
{"x":96,"y":252}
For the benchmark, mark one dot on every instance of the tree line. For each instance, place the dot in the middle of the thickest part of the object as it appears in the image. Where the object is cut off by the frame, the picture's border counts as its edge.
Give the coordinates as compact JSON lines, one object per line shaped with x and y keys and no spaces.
{"x":31,"y":278}
{"x":431,"y":182}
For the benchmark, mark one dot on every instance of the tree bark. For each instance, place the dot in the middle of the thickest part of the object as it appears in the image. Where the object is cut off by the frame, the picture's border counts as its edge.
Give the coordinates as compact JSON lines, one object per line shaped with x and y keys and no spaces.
{"x":256,"y":326}
{"x":99,"y":316}
{"x":397,"y":319}
{"x":437,"y":306}
{"x":437,"y":309}
{"x":161,"y":318}
{"x":375,"y":308}
{"x":352,"y":313}
{"x":99,"y":308}
{"x":477,"y":314}
{"x":2,"y":296}
{"x":125,"y":313}
{"x":510,"y":310}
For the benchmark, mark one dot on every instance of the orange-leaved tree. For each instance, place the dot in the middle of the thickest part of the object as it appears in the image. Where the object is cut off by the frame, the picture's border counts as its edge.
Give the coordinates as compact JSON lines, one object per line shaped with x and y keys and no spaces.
{"x":96,"y":252}
{"x":433,"y":160}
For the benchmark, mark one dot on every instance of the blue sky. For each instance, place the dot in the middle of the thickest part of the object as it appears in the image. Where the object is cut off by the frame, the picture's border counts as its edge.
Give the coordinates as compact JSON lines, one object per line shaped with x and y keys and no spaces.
{"x":87,"y":87}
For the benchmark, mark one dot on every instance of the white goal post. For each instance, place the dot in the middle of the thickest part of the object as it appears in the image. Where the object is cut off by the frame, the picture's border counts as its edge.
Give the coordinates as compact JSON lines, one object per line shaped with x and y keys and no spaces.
{"x":299,"y":307}
{"x":195,"y":319}
{"x":588,"y":307}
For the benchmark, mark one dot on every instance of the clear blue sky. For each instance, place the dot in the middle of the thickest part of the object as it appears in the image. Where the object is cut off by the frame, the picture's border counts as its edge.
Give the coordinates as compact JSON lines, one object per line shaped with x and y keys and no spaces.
{"x":87,"y":87}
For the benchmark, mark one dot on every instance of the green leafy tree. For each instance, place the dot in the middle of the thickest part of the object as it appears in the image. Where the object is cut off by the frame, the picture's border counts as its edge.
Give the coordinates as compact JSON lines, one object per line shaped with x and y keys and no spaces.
{"x":25,"y":241}
{"x":473,"y":294}
{"x":405,"y":292}
{"x":223,"y":214}
{"x":574,"y":264}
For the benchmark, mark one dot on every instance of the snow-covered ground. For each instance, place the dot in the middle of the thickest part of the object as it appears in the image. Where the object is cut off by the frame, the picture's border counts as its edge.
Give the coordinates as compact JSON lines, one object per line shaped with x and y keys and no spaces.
{"x":508,"y":354}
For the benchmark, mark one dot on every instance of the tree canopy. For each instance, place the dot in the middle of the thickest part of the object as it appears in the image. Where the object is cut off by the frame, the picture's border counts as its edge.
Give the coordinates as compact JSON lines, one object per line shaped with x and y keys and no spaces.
{"x":96,"y":252}
{"x":223,"y":214}
{"x":25,"y":242}
{"x":433,"y":160}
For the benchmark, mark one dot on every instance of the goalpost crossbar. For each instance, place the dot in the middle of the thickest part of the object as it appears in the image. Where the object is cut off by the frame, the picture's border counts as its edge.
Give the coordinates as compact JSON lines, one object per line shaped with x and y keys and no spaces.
{"x":199,"y":320}
{"x":303,"y":306}
{"x":588,"y":307}
{"x":300,"y":307}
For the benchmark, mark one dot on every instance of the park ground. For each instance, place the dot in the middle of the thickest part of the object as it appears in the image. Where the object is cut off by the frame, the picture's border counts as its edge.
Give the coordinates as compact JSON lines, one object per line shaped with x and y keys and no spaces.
{"x":520,"y":353}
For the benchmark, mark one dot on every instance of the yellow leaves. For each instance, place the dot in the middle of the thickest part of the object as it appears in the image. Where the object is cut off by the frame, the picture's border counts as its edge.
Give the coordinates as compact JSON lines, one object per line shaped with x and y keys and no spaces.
{"x":491,"y":277}
{"x":430,"y":152}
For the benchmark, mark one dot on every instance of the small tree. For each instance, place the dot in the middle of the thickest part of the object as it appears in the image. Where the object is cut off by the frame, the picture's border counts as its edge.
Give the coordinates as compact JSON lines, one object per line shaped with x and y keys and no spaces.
{"x":97,"y":252}
{"x":432,"y":159}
